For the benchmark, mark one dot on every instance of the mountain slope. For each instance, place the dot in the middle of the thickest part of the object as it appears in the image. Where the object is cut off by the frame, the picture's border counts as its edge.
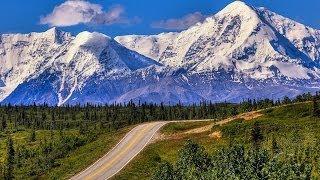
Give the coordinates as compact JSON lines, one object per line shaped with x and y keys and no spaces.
{"x":79,"y":59}
{"x":241,"y":52}
{"x":151,"y":46}
{"x":305,"y":38}
{"x":24,"y":55}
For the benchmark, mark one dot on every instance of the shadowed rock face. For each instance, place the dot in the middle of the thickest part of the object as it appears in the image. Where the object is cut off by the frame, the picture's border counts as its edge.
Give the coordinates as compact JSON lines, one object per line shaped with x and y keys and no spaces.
{"x":241,"y":52}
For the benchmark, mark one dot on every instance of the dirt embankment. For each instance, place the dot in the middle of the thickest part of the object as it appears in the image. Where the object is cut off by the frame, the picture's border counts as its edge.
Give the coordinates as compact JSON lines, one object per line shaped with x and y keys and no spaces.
{"x":215,"y":135}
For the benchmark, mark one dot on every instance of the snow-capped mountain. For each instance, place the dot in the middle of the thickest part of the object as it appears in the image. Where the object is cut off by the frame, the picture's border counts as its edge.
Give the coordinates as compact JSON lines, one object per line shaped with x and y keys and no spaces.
{"x":25,"y":55}
{"x":240,"y":52}
{"x":49,"y":67}
{"x":255,"y":43}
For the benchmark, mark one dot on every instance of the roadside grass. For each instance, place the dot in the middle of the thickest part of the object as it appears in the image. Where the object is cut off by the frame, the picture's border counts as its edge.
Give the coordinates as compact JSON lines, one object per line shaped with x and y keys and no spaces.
{"x":172,"y":128}
{"x":74,"y":161}
{"x":21,"y":138}
{"x":86,"y":155}
{"x":292,"y":126}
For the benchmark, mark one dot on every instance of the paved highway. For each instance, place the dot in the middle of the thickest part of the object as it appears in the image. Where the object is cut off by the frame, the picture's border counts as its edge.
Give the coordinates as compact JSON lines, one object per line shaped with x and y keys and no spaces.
{"x":122,"y":153}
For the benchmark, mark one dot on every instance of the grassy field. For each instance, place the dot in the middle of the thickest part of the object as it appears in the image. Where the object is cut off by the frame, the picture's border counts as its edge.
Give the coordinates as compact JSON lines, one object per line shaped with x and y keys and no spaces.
{"x":60,"y":154}
{"x":292,"y":126}
{"x":65,"y":167}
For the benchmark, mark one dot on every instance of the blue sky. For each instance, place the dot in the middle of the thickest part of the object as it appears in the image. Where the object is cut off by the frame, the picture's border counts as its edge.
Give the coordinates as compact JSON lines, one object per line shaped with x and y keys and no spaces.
{"x":134,"y":16}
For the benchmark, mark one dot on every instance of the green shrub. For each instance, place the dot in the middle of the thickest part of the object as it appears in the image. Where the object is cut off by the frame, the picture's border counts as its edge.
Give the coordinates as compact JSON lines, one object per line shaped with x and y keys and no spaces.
{"x":236,"y":162}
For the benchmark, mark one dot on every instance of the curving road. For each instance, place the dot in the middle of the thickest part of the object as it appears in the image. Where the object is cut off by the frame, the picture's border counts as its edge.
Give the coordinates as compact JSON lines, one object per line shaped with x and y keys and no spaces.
{"x":132,"y":144}
{"x":122,"y":153}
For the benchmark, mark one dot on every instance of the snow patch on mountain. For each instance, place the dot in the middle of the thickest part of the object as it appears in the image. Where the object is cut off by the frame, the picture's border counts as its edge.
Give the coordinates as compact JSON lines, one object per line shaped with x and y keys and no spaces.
{"x":151,"y":46}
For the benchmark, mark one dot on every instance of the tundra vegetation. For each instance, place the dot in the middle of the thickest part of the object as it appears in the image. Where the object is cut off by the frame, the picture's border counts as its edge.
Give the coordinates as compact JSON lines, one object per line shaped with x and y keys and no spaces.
{"x":41,"y":141}
{"x":282,"y":143}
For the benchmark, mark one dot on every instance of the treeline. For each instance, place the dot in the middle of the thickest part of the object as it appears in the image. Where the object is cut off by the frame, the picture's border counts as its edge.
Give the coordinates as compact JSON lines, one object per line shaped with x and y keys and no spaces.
{"x":119,"y":115}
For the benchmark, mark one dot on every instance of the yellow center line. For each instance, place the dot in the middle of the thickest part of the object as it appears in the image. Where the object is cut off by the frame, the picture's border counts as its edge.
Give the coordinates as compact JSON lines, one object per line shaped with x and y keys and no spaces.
{"x":122,"y":151}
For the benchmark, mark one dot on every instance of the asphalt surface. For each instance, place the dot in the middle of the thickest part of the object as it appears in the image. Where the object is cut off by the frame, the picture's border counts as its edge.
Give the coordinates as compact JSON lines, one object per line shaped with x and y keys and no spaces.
{"x":122,"y":153}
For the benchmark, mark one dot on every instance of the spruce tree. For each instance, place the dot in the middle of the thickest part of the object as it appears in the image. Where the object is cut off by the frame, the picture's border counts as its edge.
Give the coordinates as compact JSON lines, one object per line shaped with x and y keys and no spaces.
{"x":2,"y":171}
{"x":275,"y":146}
{"x":256,"y":135}
{"x":164,"y":172}
{"x":3,"y":123}
{"x":286,"y":100}
{"x":82,"y":129}
{"x":10,"y":159}
{"x":32,"y":137}
{"x":315,"y":108}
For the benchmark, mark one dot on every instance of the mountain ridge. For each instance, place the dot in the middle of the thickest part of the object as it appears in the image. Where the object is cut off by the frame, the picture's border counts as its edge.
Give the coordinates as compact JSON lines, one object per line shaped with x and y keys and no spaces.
{"x":241,"y":52}
{"x":255,"y":22}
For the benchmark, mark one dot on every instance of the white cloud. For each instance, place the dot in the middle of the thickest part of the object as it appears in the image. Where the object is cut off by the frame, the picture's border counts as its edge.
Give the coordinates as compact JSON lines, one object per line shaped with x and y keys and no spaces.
{"x":180,"y":24}
{"x":73,"y":12}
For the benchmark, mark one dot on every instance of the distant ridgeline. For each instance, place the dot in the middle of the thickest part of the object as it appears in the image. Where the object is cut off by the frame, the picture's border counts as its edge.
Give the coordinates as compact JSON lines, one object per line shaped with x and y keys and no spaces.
{"x":119,"y":115}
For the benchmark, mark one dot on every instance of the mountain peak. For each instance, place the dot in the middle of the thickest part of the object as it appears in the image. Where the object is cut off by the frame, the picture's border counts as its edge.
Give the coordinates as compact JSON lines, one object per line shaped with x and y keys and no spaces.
{"x":237,"y":4}
{"x":238,"y":7}
{"x":86,"y":37}
{"x":52,"y":30}
{"x":56,"y":35}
